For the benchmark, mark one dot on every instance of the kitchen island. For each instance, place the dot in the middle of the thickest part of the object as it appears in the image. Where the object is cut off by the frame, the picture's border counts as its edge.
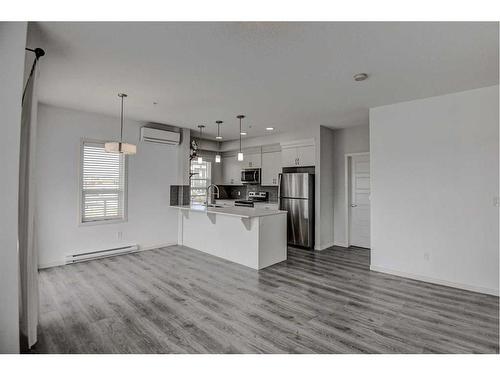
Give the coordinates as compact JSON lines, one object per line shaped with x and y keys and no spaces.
{"x":253,"y":237}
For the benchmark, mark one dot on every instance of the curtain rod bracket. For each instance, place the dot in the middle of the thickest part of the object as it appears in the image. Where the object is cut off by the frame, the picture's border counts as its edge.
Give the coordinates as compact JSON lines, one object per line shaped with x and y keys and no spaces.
{"x":37,"y":51}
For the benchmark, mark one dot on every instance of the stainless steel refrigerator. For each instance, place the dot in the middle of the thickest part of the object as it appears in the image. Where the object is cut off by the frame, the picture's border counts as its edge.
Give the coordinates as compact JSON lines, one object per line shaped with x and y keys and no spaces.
{"x":296,"y":195}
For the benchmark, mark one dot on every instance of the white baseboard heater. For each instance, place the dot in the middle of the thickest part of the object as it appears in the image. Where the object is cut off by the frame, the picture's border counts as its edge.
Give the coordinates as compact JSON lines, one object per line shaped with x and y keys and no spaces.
{"x":91,"y":255}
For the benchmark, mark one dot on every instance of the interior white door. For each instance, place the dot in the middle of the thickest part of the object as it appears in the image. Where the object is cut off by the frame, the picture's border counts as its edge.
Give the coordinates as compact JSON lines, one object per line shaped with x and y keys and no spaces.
{"x":360,"y":201}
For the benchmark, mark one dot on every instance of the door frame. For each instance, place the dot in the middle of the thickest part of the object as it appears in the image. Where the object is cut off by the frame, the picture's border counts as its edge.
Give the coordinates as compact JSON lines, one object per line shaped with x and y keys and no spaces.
{"x":347,"y":192}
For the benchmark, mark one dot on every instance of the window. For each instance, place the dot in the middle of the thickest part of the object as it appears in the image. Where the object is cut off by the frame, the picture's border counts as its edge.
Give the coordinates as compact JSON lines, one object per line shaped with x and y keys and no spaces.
{"x":200,"y":180}
{"x":103,"y":184}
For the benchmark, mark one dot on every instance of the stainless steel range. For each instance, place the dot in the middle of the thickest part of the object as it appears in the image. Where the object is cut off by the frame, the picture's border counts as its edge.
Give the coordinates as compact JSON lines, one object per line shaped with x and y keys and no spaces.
{"x":253,"y":196}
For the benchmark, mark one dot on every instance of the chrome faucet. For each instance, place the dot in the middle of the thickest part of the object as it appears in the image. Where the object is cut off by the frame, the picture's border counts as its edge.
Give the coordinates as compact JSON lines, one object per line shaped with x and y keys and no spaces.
{"x":210,"y":197}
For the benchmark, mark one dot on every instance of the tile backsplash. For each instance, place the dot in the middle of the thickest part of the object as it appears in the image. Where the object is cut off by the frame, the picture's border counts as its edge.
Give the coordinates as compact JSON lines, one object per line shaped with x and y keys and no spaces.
{"x":179,"y":195}
{"x":241,"y":192}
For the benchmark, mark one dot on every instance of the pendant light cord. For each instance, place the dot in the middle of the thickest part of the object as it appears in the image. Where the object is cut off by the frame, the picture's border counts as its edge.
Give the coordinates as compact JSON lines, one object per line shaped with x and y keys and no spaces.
{"x":240,"y":134}
{"x":121,"y":123}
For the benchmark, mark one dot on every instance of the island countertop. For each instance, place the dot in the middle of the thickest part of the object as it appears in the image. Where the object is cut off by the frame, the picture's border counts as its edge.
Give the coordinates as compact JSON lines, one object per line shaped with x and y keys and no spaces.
{"x":242,"y":212}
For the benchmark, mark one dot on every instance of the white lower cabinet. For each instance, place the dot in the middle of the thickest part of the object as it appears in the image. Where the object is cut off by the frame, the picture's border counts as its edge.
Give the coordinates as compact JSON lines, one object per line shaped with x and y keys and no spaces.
{"x":271,"y":168}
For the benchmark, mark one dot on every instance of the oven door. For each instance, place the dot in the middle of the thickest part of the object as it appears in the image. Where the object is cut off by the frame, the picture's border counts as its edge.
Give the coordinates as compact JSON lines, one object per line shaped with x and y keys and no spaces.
{"x":250,"y":176}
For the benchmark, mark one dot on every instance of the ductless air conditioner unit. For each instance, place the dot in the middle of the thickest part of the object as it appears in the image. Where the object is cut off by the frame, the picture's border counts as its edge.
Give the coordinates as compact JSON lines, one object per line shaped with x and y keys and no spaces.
{"x":159,"y":136}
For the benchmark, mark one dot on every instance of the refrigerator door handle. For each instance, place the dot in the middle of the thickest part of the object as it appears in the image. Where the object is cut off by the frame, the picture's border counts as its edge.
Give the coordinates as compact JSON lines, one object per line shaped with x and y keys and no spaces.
{"x":279,"y":184}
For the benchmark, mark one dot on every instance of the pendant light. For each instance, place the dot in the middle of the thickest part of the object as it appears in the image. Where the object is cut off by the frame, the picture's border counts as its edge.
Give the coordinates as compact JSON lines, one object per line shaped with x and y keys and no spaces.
{"x":219,"y":137}
{"x":120,"y":147}
{"x":218,"y":122}
{"x":240,"y":153}
{"x":200,"y":159}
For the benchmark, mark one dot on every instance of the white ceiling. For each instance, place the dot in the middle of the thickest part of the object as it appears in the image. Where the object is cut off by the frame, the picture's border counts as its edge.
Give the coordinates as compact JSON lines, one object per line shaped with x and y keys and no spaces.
{"x":285,"y":75}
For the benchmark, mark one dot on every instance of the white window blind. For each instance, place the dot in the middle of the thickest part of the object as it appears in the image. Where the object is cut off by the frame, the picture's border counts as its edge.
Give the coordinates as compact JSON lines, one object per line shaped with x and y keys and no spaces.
{"x":103,"y":184}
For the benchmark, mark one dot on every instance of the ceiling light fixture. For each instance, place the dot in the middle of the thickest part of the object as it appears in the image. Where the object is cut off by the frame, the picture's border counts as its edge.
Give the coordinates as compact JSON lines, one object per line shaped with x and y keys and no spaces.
{"x":243,"y":133}
{"x":269,"y":129}
{"x":360,"y":77}
{"x":120,"y":147}
{"x":200,"y":159}
{"x":218,"y":122}
{"x":240,"y":153}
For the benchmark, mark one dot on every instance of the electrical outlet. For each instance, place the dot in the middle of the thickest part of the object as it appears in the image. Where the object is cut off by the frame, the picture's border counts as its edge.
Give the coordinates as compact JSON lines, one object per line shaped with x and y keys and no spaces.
{"x":120,"y":235}
{"x":427,"y":257}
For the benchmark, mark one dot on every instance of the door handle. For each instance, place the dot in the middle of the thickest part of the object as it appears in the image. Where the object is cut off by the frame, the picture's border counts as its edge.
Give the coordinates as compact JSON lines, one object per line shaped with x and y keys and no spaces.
{"x":354,"y":205}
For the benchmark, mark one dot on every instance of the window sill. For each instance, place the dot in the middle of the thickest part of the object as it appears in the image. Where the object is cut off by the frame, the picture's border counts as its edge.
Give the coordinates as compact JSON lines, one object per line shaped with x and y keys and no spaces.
{"x":102,"y":222}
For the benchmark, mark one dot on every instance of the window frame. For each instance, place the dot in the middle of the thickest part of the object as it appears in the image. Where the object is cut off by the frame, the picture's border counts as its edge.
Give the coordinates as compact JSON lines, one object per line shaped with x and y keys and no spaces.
{"x":193,"y":178}
{"x":124,"y":218}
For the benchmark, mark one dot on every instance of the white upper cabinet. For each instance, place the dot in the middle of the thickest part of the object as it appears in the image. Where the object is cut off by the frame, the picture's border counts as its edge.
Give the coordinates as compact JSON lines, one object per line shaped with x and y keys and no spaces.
{"x":251,"y":161}
{"x":298,"y":154}
{"x":271,"y":167}
{"x":306,"y":156}
{"x":289,"y":157}
{"x":231,"y":171}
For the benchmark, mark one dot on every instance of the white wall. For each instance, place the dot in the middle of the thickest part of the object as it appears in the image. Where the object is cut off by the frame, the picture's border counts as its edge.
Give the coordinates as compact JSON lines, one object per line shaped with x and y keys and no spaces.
{"x":183,"y":158}
{"x":434,"y":168}
{"x":326,"y":183}
{"x":12,"y":56}
{"x":346,"y":141}
{"x":150,"y":173}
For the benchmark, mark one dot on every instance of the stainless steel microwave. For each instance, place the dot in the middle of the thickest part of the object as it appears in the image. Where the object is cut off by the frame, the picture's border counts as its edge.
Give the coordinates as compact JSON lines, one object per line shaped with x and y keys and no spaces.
{"x":250,"y":176}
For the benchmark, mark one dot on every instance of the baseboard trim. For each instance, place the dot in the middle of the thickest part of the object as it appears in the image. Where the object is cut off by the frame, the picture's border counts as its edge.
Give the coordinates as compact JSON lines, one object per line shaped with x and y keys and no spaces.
{"x":54,"y":263}
{"x":472,"y":288}
{"x":62,"y":262}
{"x":323,"y":246}
{"x":340,"y":244}
{"x":152,"y":247}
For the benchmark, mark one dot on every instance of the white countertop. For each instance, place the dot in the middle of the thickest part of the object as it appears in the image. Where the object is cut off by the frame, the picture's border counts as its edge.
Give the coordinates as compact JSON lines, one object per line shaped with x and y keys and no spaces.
{"x":228,"y":200}
{"x":241,"y":212}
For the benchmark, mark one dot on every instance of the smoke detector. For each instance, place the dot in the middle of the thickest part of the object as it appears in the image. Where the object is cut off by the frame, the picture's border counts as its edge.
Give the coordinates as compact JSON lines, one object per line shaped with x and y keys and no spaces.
{"x":360,"y":77}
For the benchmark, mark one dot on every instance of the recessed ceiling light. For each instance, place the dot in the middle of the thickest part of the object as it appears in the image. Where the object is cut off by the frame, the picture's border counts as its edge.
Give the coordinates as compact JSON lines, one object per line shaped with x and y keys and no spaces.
{"x":270,"y":128}
{"x":243,"y":133}
{"x":360,"y":77}
{"x":218,"y":137}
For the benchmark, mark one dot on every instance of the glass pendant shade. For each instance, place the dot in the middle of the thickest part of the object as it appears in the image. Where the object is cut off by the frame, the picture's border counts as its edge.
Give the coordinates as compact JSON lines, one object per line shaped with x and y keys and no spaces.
{"x":217,"y":158}
{"x":120,"y":148}
{"x":240,"y":156}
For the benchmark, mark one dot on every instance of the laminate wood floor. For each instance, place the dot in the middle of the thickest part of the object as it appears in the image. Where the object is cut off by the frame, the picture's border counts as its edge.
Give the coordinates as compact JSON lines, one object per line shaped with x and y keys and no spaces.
{"x":179,"y":300}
